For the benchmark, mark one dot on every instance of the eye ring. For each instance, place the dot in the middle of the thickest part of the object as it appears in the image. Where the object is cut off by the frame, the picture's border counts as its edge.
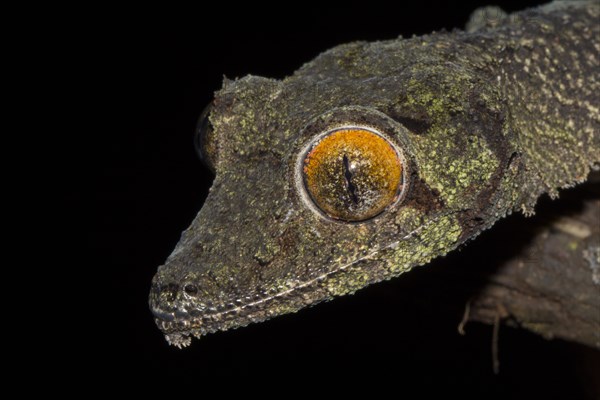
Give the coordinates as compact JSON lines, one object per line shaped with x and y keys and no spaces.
{"x":204,"y":139}
{"x":351,"y":173}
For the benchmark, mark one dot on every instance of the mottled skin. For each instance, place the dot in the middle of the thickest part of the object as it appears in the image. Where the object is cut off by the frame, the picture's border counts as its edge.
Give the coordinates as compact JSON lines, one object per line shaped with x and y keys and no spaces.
{"x":487,"y":120}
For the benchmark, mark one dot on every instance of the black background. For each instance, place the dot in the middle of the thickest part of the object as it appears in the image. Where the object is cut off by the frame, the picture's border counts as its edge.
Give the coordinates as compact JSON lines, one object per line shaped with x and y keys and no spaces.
{"x":157,"y":69}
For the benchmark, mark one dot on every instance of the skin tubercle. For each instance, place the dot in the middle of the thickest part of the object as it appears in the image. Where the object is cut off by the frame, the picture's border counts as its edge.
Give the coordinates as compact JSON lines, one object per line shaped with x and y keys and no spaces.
{"x":550,"y":79}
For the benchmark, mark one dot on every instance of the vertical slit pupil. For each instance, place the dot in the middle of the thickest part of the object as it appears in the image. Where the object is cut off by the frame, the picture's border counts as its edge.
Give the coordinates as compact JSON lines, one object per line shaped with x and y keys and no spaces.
{"x":348,"y":176}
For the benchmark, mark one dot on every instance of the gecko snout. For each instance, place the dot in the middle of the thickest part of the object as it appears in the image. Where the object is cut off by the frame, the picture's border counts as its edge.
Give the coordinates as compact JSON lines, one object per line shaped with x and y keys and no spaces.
{"x":167,"y":296}
{"x":178,"y":299}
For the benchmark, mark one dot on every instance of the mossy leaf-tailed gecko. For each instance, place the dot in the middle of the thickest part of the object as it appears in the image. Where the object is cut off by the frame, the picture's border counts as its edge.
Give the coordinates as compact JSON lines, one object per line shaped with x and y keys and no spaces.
{"x":375,"y":158}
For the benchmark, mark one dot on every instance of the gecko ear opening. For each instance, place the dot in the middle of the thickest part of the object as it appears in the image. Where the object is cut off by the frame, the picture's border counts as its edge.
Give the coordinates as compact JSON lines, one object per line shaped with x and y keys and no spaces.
{"x":352,"y":173}
{"x":205,"y":141}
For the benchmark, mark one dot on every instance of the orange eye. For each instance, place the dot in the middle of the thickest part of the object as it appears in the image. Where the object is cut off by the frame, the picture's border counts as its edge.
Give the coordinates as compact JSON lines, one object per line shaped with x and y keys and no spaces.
{"x":353,"y":174}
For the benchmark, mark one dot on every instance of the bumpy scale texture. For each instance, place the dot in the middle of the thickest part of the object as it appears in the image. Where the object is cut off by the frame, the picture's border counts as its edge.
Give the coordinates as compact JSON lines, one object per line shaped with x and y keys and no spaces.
{"x":487,"y":121}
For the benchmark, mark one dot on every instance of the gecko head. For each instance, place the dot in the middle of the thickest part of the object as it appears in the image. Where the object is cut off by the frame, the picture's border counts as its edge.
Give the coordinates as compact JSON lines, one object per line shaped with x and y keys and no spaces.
{"x":324,"y":186}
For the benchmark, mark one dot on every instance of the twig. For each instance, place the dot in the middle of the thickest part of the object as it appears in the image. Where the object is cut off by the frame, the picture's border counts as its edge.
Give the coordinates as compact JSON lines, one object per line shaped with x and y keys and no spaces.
{"x":465,"y":318}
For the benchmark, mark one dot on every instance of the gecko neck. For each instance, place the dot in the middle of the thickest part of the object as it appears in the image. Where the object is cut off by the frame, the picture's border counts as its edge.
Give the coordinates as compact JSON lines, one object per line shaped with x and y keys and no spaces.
{"x":550,"y":77}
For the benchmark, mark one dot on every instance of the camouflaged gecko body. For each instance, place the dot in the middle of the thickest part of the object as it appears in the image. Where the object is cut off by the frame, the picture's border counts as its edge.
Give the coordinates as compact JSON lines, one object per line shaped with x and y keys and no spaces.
{"x":488,"y":121}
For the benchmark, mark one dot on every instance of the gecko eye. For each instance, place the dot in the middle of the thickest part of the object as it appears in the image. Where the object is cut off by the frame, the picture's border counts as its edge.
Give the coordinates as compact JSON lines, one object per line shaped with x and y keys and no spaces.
{"x":353,"y":174}
{"x":205,"y":140}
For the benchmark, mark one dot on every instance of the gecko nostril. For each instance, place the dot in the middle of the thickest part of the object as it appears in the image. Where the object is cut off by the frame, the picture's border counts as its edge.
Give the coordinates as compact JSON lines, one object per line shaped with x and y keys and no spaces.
{"x":190,"y":289}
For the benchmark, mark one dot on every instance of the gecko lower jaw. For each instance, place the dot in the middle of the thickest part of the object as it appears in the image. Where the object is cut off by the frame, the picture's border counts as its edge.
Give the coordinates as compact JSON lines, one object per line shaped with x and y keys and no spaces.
{"x":178,"y":333}
{"x":179,"y":325}
{"x":179,"y":320}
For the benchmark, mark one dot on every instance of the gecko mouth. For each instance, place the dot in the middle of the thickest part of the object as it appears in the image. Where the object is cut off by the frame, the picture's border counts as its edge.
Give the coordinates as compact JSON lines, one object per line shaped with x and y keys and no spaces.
{"x":179,"y":325}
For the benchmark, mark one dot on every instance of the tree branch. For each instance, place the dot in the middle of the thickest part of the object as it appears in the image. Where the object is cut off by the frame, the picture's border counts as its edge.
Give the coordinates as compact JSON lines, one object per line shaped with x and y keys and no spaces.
{"x":552,"y":286}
